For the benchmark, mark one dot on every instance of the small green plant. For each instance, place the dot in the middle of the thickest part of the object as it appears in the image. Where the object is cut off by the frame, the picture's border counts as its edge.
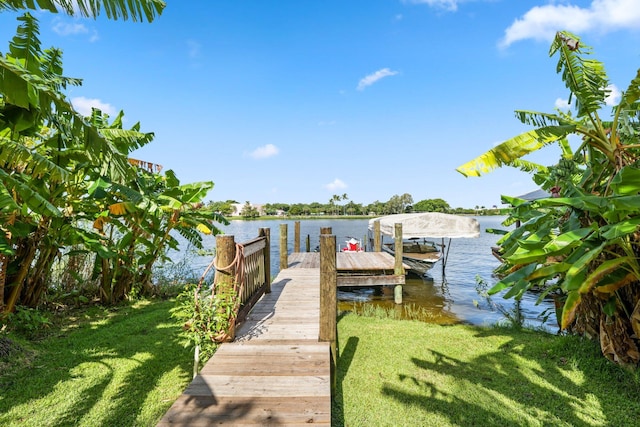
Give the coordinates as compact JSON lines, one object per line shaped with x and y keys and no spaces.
{"x":208,"y":319}
{"x":28,"y":321}
{"x":513,"y":316}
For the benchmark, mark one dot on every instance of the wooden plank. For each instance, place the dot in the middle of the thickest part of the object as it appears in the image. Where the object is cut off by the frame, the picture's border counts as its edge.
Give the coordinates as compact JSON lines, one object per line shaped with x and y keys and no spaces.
{"x":370,"y":280}
{"x":258,"y":385}
{"x":259,"y":365}
{"x":200,"y":411}
{"x":276,"y":373}
{"x":254,"y":246}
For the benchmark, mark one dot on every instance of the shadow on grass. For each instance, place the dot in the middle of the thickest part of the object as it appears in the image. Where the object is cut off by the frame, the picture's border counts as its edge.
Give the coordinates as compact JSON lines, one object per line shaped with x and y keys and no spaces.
{"x":124,"y":356}
{"x":344,"y":362}
{"x":530,"y":378}
{"x":409,"y":373}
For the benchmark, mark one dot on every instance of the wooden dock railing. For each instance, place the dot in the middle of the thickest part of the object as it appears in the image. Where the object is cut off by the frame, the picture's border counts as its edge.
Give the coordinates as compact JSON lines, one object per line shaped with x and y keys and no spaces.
{"x":247,"y":263}
{"x":250,"y":265}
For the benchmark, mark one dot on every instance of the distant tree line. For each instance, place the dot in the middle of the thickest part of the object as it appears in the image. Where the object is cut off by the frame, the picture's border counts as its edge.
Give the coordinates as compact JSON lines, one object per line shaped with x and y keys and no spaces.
{"x":340,"y":205}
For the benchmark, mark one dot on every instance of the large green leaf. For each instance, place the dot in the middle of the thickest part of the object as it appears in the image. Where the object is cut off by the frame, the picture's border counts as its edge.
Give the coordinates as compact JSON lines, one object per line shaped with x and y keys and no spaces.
{"x":136,"y":10}
{"x":605,"y":269}
{"x":512,"y":279}
{"x":558,"y":246}
{"x":632,"y":94}
{"x":29,"y":196}
{"x":568,"y":239}
{"x":585,"y":203}
{"x":15,"y":155}
{"x":569,"y":310}
{"x":574,"y":278}
{"x":549,"y":271}
{"x":513,"y":149}
{"x":627,"y":181}
{"x":585,"y":78}
{"x":620,"y":229}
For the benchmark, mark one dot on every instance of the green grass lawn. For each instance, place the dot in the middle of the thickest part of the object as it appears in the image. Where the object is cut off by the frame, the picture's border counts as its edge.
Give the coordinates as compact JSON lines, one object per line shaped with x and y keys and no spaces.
{"x":103,"y":367}
{"x":125,"y":366}
{"x":407,"y":373}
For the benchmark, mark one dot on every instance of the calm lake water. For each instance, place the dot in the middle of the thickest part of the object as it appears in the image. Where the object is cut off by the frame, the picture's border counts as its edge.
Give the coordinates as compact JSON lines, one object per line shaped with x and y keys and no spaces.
{"x":448,"y":300}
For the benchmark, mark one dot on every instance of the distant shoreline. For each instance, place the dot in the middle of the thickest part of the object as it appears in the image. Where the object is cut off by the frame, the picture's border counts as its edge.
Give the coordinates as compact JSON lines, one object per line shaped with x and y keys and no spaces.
{"x":324,"y":217}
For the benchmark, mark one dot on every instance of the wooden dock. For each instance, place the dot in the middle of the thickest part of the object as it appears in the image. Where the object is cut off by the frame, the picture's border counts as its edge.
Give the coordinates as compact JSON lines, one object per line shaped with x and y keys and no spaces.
{"x":276,"y":372}
{"x":355,"y":268}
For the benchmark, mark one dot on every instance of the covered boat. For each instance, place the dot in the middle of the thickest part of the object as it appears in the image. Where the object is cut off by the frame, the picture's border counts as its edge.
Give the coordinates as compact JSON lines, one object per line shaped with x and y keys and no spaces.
{"x":419,"y":253}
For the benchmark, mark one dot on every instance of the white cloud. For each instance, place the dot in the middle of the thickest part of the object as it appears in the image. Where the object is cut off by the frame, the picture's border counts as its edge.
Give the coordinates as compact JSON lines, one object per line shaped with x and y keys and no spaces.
{"x":614,"y":96}
{"x":542,"y":22}
{"x":69,"y":28}
{"x":337,"y":184}
{"x":372,"y":78}
{"x":83,"y":106}
{"x":562,"y":104}
{"x":265,"y":151}
{"x":449,"y":5}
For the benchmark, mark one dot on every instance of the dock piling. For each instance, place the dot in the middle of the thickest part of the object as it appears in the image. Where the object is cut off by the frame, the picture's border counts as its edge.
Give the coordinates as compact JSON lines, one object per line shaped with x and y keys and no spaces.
{"x":284,"y":251}
{"x":328,"y":298}
{"x":398,"y":268}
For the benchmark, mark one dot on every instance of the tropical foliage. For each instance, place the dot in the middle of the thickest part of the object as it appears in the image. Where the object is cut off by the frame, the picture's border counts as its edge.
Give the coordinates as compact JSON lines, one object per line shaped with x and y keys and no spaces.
{"x":137,"y":10}
{"x":431,"y":205}
{"x":67,"y":185}
{"x":581,"y":244}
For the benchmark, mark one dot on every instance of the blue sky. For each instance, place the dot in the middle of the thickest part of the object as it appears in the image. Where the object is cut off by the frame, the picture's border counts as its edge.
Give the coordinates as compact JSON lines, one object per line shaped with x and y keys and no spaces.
{"x":294,"y":101}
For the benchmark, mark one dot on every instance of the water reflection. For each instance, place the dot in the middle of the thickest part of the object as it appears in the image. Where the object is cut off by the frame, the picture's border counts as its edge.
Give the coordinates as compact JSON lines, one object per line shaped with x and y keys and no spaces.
{"x":446,"y":299}
{"x":426,"y":300}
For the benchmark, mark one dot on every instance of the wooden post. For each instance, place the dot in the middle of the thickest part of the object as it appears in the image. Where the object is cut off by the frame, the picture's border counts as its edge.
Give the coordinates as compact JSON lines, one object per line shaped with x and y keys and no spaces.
{"x":284,"y":250}
{"x":225,"y":254}
{"x":296,"y":236}
{"x":308,"y":243}
{"x":266,"y":232}
{"x":225,"y":270}
{"x":397,"y":267}
{"x":377,"y":241}
{"x":328,"y":299}
{"x":325,"y":230}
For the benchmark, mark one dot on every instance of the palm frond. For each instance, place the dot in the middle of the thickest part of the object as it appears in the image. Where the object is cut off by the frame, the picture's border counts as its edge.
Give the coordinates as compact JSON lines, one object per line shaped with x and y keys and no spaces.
{"x":127,"y":141}
{"x":30,"y":197}
{"x":15,"y":155}
{"x":513,"y":149}
{"x":136,"y":10}
{"x":25,"y":45}
{"x":585,"y":78}
{"x":527,"y":166}
{"x":51,"y":67}
{"x":191,"y":235}
{"x":127,"y":193}
{"x":537,"y":119}
{"x":7,"y":203}
{"x":631,"y":96}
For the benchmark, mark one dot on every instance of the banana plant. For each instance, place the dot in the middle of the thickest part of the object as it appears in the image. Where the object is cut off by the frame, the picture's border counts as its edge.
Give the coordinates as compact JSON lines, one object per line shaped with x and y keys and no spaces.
{"x":141,"y":221}
{"x":48,"y":155}
{"x":582,"y":243}
{"x":137,"y":10}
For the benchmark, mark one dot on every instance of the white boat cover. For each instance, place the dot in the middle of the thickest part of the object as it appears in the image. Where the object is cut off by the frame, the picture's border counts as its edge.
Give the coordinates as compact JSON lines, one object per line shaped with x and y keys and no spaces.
{"x":428,"y":224}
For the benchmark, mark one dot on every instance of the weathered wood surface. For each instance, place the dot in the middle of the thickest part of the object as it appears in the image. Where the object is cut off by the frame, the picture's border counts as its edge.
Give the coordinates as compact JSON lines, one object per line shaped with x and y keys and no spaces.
{"x":346,"y":261}
{"x":355,"y":268}
{"x":275,"y":373}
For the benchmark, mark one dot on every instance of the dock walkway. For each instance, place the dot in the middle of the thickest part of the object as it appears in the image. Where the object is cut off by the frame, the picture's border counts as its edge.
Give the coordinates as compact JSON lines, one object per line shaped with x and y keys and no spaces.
{"x":276,"y":372}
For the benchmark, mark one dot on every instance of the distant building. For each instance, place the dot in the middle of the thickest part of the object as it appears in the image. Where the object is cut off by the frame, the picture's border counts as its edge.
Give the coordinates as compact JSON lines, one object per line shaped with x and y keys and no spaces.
{"x":237,"y":208}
